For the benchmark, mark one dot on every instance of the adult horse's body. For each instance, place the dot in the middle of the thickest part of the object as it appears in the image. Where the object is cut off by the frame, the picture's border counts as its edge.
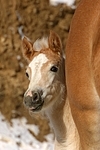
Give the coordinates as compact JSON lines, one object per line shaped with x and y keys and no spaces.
{"x":83,"y":72}
{"x":47,"y":91}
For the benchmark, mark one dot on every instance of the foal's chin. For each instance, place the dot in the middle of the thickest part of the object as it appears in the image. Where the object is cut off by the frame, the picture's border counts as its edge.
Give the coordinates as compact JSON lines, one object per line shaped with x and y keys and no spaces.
{"x":37,"y":108}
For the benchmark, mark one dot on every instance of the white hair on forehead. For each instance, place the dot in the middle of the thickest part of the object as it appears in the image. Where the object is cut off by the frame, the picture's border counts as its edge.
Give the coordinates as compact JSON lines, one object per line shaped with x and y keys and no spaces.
{"x":40,"y":44}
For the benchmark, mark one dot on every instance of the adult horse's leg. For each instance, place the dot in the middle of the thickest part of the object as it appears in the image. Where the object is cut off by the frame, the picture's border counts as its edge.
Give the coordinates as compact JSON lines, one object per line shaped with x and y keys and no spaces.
{"x":83,"y":44}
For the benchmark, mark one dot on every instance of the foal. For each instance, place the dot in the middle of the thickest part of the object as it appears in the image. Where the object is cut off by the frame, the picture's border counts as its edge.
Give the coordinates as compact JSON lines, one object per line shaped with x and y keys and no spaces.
{"x":47,"y":91}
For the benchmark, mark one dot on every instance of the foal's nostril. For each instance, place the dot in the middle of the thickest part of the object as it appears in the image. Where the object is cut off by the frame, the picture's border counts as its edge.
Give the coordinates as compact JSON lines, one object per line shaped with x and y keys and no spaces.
{"x":35,"y":96}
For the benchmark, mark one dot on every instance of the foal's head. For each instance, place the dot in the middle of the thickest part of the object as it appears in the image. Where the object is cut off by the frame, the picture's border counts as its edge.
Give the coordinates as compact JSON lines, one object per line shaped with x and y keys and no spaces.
{"x":45,"y":72}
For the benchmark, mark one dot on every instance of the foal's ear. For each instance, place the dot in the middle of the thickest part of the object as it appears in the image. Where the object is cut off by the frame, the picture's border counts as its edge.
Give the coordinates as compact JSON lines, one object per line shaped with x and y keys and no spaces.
{"x":55,"y":42}
{"x":27,"y":49}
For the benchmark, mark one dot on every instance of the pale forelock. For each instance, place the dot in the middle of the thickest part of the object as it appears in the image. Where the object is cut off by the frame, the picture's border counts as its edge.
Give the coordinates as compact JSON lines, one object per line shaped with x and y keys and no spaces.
{"x":40,"y":44}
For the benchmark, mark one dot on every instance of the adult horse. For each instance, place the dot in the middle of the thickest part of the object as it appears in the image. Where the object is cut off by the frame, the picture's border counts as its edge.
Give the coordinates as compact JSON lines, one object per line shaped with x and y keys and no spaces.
{"x":83,"y":72}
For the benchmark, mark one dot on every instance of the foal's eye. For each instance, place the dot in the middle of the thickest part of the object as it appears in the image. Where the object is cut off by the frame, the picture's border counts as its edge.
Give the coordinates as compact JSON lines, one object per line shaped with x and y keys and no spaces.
{"x":27,"y":74}
{"x":54,"y":69}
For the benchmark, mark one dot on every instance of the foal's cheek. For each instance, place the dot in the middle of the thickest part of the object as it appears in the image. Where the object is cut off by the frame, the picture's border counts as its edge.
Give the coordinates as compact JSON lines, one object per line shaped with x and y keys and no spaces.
{"x":49,"y":97}
{"x":50,"y":79}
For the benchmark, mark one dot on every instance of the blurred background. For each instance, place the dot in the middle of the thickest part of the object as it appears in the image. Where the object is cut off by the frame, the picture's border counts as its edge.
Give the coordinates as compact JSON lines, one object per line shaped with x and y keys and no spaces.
{"x":33,"y":18}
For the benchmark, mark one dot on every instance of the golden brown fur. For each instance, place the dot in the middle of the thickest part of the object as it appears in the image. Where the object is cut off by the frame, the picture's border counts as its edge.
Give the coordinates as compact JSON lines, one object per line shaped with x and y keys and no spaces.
{"x":83,"y":72}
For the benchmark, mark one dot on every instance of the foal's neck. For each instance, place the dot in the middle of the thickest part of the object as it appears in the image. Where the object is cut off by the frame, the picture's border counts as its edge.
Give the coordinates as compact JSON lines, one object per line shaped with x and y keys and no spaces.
{"x":65,"y":131}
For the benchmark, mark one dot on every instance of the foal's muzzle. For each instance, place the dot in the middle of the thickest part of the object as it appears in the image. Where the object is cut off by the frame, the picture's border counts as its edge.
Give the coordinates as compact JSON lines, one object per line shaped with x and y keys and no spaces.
{"x":35,"y":101}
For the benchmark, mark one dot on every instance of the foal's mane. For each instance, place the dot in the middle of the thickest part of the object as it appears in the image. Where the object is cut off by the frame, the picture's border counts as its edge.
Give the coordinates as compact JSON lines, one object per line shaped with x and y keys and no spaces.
{"x":40,"y":44}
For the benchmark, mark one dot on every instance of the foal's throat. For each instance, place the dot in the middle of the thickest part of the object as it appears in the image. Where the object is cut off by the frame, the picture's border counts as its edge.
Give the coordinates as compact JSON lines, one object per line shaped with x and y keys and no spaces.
{"x":57,"y":122}
{"x":63,"y":125}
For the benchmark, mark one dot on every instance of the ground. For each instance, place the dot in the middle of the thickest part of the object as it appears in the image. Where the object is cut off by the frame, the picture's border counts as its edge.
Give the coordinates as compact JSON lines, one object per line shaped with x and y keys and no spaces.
{"x":34,"y":18}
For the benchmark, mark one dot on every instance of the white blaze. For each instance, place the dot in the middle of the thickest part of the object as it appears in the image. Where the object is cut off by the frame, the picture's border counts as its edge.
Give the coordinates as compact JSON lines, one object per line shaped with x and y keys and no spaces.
{"x":36,"y":65}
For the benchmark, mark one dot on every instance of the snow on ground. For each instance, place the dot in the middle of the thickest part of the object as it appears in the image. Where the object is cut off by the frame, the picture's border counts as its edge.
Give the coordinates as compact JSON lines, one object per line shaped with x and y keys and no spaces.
{"x":17,"y":136}
{"x":68,"y":2}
